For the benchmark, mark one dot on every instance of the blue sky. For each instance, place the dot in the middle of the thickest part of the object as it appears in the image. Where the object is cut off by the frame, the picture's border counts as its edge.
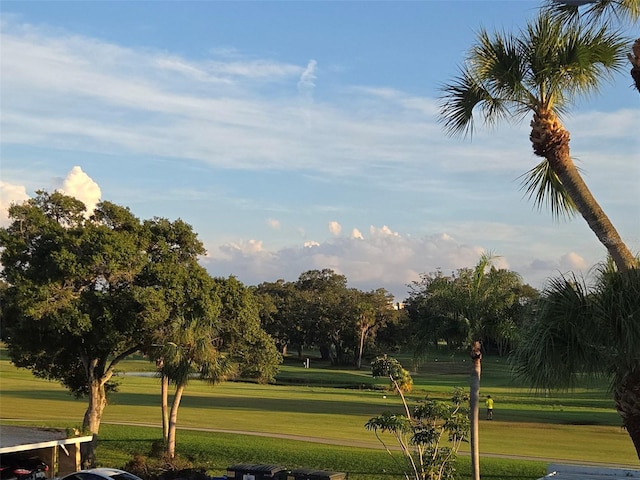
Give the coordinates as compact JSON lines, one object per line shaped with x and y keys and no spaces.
{"x":296,"y":135}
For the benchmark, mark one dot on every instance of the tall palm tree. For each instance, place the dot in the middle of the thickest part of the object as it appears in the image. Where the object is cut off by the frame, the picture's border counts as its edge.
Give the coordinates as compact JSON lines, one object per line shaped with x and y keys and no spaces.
{"x":541,"y":72}
{"x":580,"y":330}
{"x":602,"y":10}
{"x":478,"y":292}
{"x":474,"y":297}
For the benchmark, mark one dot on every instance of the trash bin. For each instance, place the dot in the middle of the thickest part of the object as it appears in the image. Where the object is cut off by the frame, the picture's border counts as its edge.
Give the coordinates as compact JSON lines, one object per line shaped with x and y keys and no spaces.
{"x":247,"y":471}
{"x":311,"y":474}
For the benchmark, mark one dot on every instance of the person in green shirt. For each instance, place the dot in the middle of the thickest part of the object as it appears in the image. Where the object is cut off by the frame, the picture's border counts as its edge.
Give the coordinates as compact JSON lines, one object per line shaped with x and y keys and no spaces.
{"x":489,"y":404}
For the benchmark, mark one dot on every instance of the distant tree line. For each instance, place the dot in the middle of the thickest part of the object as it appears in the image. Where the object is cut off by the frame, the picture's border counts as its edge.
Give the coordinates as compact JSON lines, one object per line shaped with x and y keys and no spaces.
{"x":320,"y":312}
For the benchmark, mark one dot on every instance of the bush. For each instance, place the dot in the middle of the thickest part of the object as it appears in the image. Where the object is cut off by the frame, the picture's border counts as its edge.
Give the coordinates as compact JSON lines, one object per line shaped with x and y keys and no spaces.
{"x":162,"y":467}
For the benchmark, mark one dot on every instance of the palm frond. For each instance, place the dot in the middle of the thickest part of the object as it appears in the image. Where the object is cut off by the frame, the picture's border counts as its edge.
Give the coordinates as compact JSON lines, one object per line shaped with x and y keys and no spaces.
{"x":617,"y":302}
{"x":542,"y":185}
{"x":558,"y":345}
{"x":497,"y":61}
{"x":594,"y":10}
{"x":568,"y":61}
{"x":457,"y":103}
{"x":563,"y":11}
{"x":589,"y":56}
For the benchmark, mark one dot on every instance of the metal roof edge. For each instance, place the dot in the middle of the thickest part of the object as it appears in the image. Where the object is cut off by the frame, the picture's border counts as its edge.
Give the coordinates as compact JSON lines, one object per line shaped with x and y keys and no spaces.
{"x":48,"y":443}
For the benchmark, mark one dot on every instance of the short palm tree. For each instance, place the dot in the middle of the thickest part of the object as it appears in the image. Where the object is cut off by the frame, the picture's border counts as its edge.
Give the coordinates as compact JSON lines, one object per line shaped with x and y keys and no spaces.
{"x":541,"y":72}
{"x":193,"y":353}
{"x":579,"y":330}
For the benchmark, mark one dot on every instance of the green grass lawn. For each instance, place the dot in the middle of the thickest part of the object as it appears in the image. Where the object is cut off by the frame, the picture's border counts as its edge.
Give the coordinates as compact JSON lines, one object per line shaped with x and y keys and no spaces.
{"x":330,"y":406}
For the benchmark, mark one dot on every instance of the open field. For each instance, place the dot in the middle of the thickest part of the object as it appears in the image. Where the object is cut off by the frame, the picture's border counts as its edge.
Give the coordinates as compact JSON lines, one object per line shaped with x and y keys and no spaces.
{"x":329,"y":407}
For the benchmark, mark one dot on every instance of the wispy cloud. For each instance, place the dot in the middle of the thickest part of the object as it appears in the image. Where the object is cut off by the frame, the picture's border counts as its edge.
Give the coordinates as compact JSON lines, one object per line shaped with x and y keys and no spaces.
{"x":231,"y":113}
{"x":306,"y":84}
{"x":74,"y":92}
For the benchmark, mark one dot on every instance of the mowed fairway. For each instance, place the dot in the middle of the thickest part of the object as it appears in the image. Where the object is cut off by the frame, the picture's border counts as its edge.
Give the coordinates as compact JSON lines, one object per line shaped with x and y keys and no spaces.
{"x":330,"y":407}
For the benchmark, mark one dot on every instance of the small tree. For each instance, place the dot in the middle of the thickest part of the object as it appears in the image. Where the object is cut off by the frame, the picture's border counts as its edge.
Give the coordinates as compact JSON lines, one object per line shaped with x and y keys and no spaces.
{"x":422,"y":432}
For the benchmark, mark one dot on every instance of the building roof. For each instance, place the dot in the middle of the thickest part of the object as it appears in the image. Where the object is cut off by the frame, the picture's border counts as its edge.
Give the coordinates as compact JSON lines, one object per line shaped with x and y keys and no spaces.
{"x":15,"y":438}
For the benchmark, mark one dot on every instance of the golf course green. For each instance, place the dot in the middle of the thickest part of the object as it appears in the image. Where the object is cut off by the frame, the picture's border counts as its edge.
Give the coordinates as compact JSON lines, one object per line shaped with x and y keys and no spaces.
{"x":314,"y":417}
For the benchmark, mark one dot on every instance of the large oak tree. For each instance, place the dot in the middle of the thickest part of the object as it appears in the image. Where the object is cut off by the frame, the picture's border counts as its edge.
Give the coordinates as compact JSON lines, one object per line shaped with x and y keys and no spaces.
{"x":84,"y":291}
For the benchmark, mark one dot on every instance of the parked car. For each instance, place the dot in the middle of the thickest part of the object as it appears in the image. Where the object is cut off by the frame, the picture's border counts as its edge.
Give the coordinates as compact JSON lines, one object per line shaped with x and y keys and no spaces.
{"x":16,"y":466}
{"x":101,"y":474}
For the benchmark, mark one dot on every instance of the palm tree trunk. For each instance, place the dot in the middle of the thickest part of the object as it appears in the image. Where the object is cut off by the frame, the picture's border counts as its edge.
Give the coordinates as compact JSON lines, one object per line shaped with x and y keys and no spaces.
{"x":360,"y":349}
{"x":550,"y":140}
{"x":164,"y":394}
{"x":634,"y":58}
{"x":627,"y":398}
{"x":173,"y":421}
{"x":474,"y":409}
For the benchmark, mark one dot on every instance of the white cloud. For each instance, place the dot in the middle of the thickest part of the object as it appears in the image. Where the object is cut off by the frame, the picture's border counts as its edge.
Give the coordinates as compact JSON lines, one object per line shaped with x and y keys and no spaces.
{"x":573,"y":262}
{"x":355,"y":233}
{"x":335,"y":228}
{"x":382,"y":232}
{"x":273,"y":223}
{"x":76,"y":184}
{"x":250,"y":247}
{"x":81,"y":186}
{"x":386,"y":259}
{"x":10,"y":194}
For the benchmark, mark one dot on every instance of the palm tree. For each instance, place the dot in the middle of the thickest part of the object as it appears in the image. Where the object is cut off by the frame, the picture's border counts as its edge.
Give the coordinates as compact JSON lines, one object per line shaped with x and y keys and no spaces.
{"x":193,"y":353}
{"x":608,"y":11}
{"x":541,"y":71}
{"x":478,"y":293}
{"x":578,"y":330}
{"x":474,"y":297}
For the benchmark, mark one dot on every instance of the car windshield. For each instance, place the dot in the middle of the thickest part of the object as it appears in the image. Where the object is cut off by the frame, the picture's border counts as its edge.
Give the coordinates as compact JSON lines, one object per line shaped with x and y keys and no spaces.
{"x":124,"y":476}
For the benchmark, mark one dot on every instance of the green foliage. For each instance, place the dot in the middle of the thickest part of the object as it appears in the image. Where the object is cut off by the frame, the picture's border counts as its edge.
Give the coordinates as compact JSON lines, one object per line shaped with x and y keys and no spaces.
{"x":385,"y":366}
{"x":241,"y":335}
{"x":72,"y":309}
{"x":319,"y":311}
{"x":483,"y":302}
{"x":422,"y":433}
{"x":578,"y":329}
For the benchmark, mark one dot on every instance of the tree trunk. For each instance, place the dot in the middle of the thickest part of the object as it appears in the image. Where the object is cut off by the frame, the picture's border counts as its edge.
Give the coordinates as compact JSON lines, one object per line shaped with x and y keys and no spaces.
{"x":627,"y":398}
{"x":92,"y":418}
{"x":474,"y":409}
{"x":634,"y":58}
{"x":164,"y":394}
{"x":360,"y":349}
{"x":173,"y":421}
{"x":550,"y":140}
